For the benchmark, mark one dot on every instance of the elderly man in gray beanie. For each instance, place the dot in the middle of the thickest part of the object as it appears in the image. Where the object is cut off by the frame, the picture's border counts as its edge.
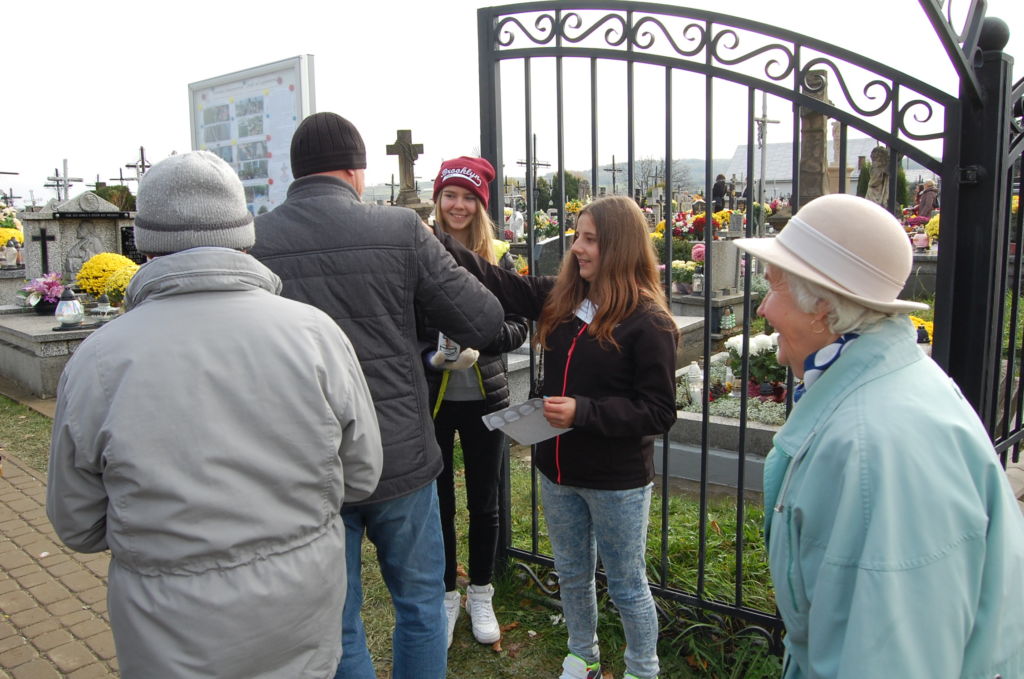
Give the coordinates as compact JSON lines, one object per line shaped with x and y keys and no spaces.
{"x":208,"y":438}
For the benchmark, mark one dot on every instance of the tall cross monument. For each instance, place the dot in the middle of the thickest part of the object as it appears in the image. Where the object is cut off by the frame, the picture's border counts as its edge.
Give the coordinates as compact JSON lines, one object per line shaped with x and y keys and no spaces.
{"x":407,"y":153}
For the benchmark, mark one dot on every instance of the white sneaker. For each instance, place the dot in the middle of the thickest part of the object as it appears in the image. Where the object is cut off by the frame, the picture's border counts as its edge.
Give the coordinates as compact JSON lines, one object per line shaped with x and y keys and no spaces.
{"x":452,"y":606}
{"x":574,"y":667}
{"x":481,"y":613}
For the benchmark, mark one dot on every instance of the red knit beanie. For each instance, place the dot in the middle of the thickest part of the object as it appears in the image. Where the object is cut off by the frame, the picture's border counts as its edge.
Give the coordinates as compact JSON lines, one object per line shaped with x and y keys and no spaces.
{"x":473,"y":174}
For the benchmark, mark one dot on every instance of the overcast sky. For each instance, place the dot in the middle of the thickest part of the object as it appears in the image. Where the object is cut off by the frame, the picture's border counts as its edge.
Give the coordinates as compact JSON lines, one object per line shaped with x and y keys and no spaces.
{"x":92,"y":83}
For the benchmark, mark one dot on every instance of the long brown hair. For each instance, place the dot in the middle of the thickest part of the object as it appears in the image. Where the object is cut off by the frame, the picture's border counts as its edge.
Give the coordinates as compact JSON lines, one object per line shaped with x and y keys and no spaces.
{"x":626,"y":279}
{"x":481,"y":230}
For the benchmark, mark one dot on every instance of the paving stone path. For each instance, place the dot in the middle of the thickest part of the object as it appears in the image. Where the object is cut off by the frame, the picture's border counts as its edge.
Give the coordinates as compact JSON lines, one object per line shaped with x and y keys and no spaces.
{"x":53,"y":601}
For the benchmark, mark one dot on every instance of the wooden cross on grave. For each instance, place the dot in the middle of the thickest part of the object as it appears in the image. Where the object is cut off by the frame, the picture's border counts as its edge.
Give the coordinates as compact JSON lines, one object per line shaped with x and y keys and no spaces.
{"x":532,"y":169}
{"x":392,"y":184}
{"x":8,"y":198}
{"x":141,"y":165}
{"x":62,"y":182}
{"x":43,"y":238}
{"x":407,"y":153}
{"x":120,"y":178}
{"x":615,"y":171}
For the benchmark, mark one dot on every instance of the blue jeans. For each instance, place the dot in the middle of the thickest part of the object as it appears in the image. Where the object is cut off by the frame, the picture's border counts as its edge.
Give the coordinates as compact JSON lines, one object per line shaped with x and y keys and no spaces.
{"x":582,"y":523}
{"x":407,"y":534}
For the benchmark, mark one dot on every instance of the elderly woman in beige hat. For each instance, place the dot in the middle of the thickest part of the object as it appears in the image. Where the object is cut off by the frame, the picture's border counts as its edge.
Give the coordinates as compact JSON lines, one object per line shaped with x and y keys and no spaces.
{"x":895,"y":544}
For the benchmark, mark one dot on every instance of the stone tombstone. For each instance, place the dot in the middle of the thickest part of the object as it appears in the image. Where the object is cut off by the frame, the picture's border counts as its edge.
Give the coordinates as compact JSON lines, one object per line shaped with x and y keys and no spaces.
{"x":62,"y":236}
{"x":547,"y":256}
{"x":736,"y":224}
{"x":725,"y":267}
{"x":814,"y":140}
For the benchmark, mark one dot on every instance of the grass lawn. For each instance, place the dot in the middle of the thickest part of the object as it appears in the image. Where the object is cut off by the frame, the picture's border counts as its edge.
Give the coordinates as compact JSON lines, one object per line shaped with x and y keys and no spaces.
{"x":534,"y":637}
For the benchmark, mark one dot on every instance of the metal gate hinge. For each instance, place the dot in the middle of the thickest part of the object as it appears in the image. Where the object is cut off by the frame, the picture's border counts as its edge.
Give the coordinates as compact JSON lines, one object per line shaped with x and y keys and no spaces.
{"x":972,"y":174}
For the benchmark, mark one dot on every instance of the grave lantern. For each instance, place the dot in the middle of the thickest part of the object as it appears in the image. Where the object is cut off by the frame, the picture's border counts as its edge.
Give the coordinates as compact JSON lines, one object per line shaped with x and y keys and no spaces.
{"x":69,"y":310}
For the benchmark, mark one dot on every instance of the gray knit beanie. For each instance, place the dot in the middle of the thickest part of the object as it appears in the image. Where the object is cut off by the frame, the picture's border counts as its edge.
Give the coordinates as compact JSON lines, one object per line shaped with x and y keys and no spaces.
{"x":325,"y":142}
{"x":191,"y":200}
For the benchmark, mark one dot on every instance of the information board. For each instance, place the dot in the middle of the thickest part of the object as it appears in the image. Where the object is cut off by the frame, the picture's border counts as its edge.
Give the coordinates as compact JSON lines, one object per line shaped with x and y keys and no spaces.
{"x":248,"y":118}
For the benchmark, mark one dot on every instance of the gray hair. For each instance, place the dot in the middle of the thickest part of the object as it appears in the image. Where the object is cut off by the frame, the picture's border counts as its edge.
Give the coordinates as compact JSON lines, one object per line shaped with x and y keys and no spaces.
{"x":844,"y":315}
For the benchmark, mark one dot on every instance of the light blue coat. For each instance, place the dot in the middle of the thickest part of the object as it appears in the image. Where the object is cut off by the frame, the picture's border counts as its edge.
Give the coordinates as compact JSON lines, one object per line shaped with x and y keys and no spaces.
{"x":895,"y":543}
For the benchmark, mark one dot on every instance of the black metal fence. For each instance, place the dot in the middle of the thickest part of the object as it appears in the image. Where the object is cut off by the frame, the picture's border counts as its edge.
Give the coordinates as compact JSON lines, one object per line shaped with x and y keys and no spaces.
{"x":701,"y":60}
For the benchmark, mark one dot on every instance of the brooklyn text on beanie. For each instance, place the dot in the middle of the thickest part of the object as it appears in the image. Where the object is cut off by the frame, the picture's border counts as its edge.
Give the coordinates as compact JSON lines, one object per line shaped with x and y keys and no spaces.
{"x":472,"y":174}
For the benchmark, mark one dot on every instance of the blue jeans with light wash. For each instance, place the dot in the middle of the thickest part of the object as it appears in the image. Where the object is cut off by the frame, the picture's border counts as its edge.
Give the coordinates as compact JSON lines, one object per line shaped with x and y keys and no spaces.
{"x":407,"y":534}
{"x":582,"y":523}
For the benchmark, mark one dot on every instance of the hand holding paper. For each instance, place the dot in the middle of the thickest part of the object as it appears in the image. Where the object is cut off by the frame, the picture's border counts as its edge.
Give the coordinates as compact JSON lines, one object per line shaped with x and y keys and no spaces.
{"x":560,"y":411}
{"x":525,"y":422}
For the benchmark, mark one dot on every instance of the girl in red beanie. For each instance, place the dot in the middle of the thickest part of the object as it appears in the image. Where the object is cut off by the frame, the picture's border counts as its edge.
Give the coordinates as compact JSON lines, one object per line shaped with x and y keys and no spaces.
{"x":462,"y":391}
{"x":609,"y":353}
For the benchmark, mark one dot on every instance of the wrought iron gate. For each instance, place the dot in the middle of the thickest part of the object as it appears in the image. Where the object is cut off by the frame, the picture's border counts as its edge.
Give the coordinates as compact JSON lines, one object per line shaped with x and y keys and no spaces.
{"x":972,"y":142}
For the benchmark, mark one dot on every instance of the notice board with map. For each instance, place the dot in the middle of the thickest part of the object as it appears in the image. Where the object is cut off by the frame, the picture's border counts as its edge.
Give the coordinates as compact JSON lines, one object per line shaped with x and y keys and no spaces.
{"x":248,"y":118}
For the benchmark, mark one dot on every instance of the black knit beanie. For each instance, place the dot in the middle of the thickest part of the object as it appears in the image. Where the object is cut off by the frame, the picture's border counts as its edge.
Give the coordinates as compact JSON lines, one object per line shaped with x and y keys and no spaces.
{"x":324,"y":142}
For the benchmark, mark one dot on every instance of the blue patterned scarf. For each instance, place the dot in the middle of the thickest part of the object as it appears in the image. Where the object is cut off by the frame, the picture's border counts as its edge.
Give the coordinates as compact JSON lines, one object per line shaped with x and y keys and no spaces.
{"x":820,"y":361}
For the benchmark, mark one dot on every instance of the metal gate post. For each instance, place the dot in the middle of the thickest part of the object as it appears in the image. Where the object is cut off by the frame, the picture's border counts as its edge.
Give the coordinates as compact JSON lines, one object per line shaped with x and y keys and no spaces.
{"x":490,"y":112}
{"x":972,"y":251}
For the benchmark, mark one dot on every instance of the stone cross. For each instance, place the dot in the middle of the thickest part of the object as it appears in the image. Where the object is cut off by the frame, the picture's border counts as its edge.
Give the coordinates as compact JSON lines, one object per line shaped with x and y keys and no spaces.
{"x":62,"y":182}
{"x":407,"y":153}
{"x":42,"y":239}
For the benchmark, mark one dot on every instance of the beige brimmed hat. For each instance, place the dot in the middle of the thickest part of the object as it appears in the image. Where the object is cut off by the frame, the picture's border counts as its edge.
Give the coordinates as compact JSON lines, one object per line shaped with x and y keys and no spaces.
{"x":845,"y":244}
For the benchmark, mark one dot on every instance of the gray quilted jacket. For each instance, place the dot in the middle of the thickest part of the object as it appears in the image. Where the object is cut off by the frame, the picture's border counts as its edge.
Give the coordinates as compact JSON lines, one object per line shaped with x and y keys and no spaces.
{"x":371,"y":267}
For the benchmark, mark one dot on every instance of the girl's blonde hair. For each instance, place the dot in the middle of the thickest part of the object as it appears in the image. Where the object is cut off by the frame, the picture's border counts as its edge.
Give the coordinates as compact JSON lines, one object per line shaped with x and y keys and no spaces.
{"x":481,"y":230}
{"x":627,"y":277}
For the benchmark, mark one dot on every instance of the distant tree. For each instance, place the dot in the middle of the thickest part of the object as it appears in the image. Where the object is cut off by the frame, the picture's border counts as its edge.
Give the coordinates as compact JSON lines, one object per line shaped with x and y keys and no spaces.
{"x":572,"y":189}
{"x":649,"y":173}
{"x":543,"y":194}
{"x":863,"y":179}
{"x":119,"y":195}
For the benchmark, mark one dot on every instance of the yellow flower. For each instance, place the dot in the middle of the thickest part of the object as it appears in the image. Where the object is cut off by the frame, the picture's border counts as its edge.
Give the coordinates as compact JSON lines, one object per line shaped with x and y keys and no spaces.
{"x":7,"y":234}
{"x":660,"y":228}
{"x":93,"y":275}
{"x":118,"y":281}
{"x":1015,"y":204}
{"x":573,"y":206}
{"x":932,"y":228}
{"x":927,"y":325}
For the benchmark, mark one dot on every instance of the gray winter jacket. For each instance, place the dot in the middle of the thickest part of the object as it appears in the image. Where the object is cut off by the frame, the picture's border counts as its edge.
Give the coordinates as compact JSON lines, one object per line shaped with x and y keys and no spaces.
{"x":208,"y":438}
{"x":371,"y":268}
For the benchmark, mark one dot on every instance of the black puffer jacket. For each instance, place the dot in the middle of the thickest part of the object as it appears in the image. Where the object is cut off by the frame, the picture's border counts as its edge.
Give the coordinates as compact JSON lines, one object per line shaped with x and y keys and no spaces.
{"x":372,"y":269}
{"x":490,"y":368}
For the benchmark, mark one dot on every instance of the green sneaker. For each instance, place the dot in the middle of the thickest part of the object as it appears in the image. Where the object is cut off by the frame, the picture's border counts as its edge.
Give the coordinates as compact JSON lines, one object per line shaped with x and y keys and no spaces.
{"x":574,"y":667}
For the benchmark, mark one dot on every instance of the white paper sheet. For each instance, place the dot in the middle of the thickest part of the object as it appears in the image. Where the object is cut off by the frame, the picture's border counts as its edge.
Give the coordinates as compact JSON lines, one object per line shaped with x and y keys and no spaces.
{"x":524,"y":422}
